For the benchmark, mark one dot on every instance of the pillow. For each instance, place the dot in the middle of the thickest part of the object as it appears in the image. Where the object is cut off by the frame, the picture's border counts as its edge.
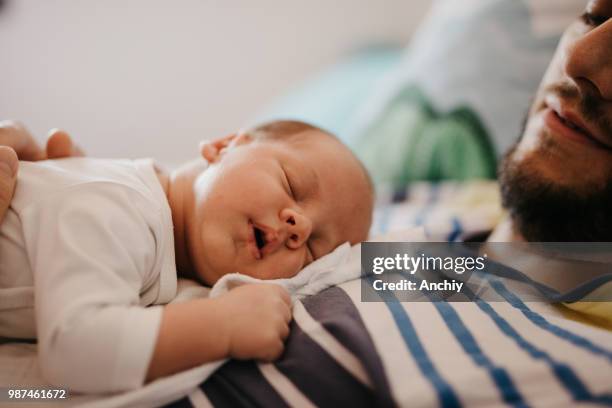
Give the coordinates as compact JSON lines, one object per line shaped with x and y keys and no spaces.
{"x":457,"y":100}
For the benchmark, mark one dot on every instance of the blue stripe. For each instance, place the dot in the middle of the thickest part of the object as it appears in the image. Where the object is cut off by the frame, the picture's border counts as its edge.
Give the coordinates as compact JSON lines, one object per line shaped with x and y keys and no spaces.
{"x":552,"y":295}
{"x":399,"y":195}
{"x":499,"y":375}
{"x":501,"y":378}
{"x":456,"y":231}
{"x":446,"y":395}
{"x":563,"y":372}
{"x":384,"y":219}
{"x":434,"y":190}
{"x":542,"y":323}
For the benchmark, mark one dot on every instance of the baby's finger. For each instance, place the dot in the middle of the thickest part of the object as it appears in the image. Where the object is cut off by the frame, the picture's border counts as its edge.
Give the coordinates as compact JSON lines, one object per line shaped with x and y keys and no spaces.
{"x":60,"y":145}
{"x":286,"y":312}
{"x":274,"y":352}
{"x":284,"y":295}
{"x":283,"y":330}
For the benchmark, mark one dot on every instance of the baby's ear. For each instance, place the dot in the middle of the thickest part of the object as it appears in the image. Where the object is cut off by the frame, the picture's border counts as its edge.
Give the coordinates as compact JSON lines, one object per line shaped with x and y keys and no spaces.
{"x":212,"y":150}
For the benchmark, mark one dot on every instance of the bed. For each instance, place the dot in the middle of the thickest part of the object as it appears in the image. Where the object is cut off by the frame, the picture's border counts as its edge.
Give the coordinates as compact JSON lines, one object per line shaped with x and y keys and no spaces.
{"x":345,"y":352}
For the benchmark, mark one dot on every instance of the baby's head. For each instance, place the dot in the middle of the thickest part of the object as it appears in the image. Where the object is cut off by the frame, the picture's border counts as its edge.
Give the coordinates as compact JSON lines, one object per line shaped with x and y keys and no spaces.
{"x":271,"y":200}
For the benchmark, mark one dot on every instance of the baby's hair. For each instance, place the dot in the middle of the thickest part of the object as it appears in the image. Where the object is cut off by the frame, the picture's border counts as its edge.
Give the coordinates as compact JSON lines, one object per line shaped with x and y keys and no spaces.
{"x":287,"y":130}
{"x":284,"y":129}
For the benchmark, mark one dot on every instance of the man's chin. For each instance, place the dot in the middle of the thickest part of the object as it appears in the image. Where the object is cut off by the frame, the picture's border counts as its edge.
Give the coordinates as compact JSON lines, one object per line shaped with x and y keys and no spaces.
{"x":545,"y":208}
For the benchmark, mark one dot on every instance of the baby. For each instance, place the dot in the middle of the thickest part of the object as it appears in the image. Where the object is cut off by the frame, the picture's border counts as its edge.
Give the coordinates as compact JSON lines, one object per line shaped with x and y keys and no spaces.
{"x":88,"y":243}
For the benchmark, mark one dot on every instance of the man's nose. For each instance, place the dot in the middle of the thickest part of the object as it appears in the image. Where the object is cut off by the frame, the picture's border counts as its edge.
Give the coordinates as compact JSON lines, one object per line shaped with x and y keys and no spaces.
{"x":297,"y":226}
{"x":589,"y":60}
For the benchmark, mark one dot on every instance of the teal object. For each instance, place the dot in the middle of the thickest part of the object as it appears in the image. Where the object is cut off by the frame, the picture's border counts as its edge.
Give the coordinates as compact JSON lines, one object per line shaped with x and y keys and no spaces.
{"x":330,"y":99}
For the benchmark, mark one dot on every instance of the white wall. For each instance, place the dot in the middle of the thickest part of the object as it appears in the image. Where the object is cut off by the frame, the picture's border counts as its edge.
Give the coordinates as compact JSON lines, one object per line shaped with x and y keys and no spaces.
{"x":132,"y":78}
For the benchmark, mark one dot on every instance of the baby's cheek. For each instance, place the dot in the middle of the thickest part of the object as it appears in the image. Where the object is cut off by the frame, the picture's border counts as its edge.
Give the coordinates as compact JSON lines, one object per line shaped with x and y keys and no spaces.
{"x":294,"y":265}
{"x":285,"y":268}
{"x":263,"y":190}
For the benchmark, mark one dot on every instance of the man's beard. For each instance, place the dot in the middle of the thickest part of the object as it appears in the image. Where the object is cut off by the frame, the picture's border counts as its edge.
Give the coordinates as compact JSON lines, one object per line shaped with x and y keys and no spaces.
{"x":545,"y":211}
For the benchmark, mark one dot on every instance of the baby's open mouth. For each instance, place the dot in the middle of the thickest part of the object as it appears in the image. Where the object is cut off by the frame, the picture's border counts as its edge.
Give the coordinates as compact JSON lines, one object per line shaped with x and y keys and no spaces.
{"x":260,"y":238}
{"x":263,"y":240}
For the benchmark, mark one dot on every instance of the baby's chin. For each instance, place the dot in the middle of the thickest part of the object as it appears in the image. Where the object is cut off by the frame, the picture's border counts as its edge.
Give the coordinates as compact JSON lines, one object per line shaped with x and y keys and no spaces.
{"x":276,"y":274}
{"x":269,"y":273}
{"x":205,"y":277}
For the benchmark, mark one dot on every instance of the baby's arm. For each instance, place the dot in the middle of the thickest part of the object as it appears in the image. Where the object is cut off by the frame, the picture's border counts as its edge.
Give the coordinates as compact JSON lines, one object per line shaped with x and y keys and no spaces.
{"x":91,"y":252}
{"x":250,"y":321}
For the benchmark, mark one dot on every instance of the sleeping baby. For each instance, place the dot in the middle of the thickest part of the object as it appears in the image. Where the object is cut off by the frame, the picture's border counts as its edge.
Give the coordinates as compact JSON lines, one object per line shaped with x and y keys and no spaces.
{"x":88,"y":244}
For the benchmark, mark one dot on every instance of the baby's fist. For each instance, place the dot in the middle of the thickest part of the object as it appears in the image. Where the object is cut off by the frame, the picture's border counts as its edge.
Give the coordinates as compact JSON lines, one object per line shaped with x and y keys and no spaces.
{"x":258,"y":317}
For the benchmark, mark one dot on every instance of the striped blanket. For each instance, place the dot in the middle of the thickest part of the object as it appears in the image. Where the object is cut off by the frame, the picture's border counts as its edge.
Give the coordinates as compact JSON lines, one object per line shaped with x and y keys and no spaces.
{"x":344,"y":352}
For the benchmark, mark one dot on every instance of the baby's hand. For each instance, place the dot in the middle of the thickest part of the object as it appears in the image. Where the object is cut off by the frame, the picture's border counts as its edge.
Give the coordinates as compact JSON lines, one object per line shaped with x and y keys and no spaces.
{"x":258,"y":317}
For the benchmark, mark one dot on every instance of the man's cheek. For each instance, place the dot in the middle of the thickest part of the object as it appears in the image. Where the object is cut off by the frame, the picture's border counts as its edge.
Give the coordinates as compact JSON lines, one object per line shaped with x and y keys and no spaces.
{"x":555,"y":72}
{"x":531,"y":139}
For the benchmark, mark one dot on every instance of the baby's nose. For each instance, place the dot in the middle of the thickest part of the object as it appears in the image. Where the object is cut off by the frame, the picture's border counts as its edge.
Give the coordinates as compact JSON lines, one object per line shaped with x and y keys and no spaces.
{"x":297,"y":226}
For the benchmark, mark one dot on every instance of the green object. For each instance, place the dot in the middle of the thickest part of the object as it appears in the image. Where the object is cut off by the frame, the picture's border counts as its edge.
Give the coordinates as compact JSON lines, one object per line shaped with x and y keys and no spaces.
{"x":411,"y":141}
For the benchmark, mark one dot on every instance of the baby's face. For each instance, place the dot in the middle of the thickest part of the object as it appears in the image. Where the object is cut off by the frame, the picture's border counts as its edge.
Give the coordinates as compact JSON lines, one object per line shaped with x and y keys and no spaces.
{"x":269,"y":208}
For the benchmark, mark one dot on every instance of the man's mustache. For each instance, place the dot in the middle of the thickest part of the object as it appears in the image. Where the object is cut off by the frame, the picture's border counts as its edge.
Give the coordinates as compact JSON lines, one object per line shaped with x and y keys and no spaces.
{"x":590,"y":106}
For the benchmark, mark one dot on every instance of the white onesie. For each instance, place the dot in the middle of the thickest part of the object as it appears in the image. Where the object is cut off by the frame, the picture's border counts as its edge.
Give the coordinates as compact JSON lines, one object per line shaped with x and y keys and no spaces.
{"x":85,"y":245}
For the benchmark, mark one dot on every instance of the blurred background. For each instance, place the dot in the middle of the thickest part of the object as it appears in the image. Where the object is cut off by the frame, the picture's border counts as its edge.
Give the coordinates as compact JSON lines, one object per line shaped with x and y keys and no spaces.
{"x":151,"y":78}
{"x":420,"y":90}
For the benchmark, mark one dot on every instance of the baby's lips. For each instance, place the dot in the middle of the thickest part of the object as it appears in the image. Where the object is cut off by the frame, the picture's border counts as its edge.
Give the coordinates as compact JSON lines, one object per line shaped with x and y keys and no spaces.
{"x":256,"y":254}
{"x":273,"y":238}
{"x":251,"y":245}
{"x":272,"y":245}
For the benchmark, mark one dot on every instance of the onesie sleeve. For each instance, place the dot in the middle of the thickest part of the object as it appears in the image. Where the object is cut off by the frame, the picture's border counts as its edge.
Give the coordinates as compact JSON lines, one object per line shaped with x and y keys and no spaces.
{"x":92,"y":250}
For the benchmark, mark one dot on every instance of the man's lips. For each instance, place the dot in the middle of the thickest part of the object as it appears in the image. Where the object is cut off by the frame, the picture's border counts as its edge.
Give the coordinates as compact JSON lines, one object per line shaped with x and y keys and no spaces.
{"x":567,"y":123}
